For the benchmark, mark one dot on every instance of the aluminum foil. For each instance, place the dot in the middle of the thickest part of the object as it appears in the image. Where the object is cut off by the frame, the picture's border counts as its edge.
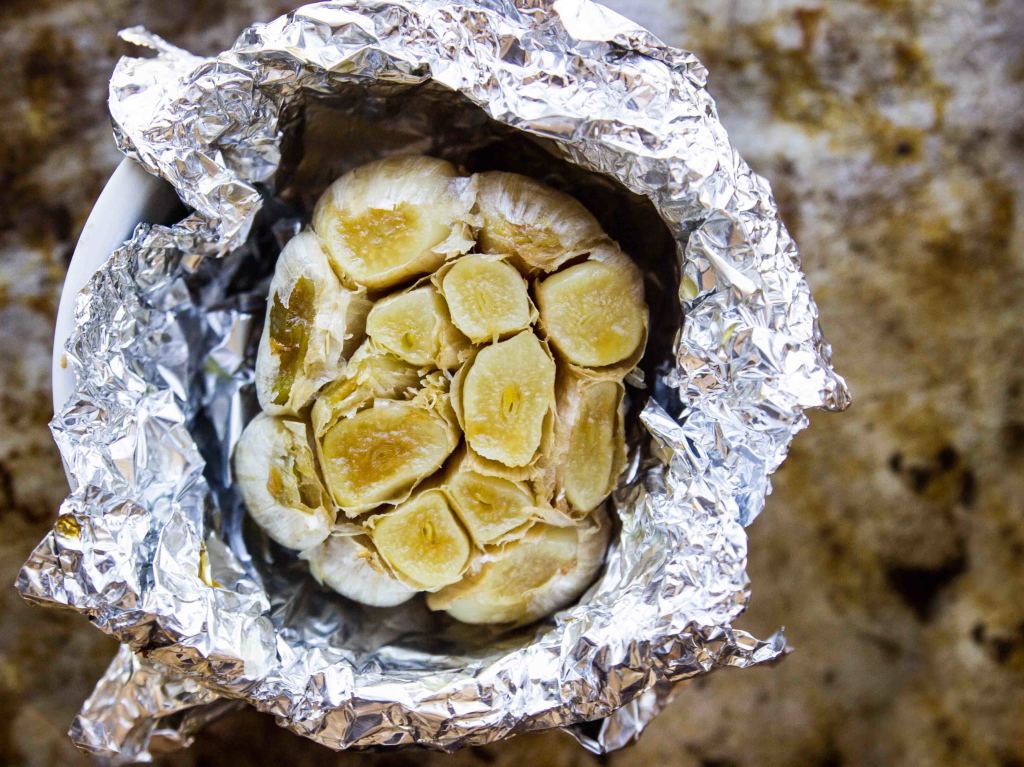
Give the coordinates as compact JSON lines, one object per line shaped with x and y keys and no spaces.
{"x":153,"y":544}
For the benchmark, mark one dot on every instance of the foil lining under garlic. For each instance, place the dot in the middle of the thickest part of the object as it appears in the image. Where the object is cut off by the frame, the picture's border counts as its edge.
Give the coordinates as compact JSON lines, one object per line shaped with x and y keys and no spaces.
{"x":153,"y":544}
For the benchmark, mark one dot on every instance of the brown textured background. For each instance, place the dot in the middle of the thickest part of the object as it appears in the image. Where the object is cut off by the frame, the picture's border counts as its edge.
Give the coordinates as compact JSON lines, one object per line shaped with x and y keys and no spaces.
{"x":893,"y":546}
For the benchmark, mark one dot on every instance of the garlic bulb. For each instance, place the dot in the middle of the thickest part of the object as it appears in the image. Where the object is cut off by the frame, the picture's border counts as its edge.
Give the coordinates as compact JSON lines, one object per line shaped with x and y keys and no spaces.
{"x":350,"y":565}
{"x":423,"y":308}
{"x":395,"y":218}
{"x":529,"y":578}
{"x":312,"y":325}
{"x":277,"y":477}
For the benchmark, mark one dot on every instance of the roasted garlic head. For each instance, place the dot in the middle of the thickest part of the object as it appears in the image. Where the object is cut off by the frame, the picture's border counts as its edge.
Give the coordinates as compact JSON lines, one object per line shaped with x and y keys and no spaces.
{"x":441,"y":376}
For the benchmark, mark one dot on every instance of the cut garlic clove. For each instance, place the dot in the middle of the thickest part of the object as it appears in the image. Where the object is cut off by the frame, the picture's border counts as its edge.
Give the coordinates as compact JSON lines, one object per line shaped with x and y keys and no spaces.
{"x":487,"y":297}
{"x":393,"y":219}
{"x":594,"y":313}
{"x":370,"y":374}
{"x":527,"y":579}
{"x":312,"y":325}
{"x":506,"y":396}
{"x":276,"y":474}
{"x":422,"y":541}
{"x":378,"y":455}
{"x":351,"y":566}
{"x":540,"y":227}
{"x":590,"y":449}
{"x":415,"y":327}
{"x":488,"y":506}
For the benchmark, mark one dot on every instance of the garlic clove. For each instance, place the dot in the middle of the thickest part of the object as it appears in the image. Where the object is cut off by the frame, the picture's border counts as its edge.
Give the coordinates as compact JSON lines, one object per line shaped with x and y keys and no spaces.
{"x":393,"y":219}
{"x":276,"y":475}
{"x":313,"y":323}
{"x":529,"y":578}
{"x":379,"y":454}
{"x":351,"y":566}
{"x":506,"y":396}
{"x":487,"y":297}
{"x":422,"y":541}
{"x":593,"y":313}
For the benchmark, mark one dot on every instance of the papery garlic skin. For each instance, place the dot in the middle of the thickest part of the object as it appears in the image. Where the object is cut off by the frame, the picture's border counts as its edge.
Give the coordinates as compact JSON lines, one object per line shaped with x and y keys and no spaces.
{"x":276,"y":474}
{"x":529,"y":578}
{"x":351,"y":566}
{"x":396,"y":218}
{"x":312,"y":325}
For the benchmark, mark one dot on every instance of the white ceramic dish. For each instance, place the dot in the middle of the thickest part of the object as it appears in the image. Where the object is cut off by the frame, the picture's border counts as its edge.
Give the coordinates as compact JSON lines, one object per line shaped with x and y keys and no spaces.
{"x":130,"y":197}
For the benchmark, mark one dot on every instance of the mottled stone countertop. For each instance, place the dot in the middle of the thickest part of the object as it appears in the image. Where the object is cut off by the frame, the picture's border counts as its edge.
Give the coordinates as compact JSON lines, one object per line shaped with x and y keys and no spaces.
{"x":893,"y":546}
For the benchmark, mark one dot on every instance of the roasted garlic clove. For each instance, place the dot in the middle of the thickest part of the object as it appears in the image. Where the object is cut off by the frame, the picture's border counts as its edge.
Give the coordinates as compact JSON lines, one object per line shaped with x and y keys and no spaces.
{"x":529,"y":578}
{"x":589,"y":447}
{"x":539,"y":227}
{"x":379,"y":454}
{"x":312,"y":325}
{"x":506,"y":396}
{"x":487,"y":297}
{"x":350,"y":565}
{"x":371,"y":374}
{"x":594,"y":312}
{"x":489,"y":506}
{"x":422,"y":541}
{"x":277,"y":477}
{"x":415,"y":327}
{"x":393,"y":219}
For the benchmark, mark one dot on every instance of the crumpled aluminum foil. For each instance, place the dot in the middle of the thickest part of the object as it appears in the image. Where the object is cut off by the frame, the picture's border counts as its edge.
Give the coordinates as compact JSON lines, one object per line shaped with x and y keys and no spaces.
{"x":153,"y":544}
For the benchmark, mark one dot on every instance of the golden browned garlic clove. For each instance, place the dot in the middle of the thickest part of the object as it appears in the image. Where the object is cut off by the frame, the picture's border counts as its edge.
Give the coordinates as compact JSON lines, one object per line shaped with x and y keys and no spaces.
{"x":539,"y":227}
{"x":379,"y":454}
{"x":422,"y":541}
{"x":312,"y":325}
{"x":277,"y":477}
{"x":590,"y":450}
{"x":594,"y":313}
{"x":393,"y":219}
{"x":415,"y":327}
{"x":528,"y":578}
{"x":489,"y":506}
{"x":506,"y":396}
{"x":350,"y":565}
{"x":487,"y":297}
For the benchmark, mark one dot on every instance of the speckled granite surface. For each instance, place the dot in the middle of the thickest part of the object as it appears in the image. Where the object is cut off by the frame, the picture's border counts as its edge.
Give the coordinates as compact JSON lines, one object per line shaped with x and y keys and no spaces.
{"x":893,"y":546}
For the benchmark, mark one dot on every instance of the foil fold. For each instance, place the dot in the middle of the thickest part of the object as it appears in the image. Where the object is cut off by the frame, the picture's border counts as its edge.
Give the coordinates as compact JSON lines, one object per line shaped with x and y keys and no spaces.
{"x":153,"y":545}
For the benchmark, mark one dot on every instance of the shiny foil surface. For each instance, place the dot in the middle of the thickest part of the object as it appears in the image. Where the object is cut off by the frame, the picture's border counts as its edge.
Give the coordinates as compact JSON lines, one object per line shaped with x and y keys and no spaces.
{"x":153,"y":543}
